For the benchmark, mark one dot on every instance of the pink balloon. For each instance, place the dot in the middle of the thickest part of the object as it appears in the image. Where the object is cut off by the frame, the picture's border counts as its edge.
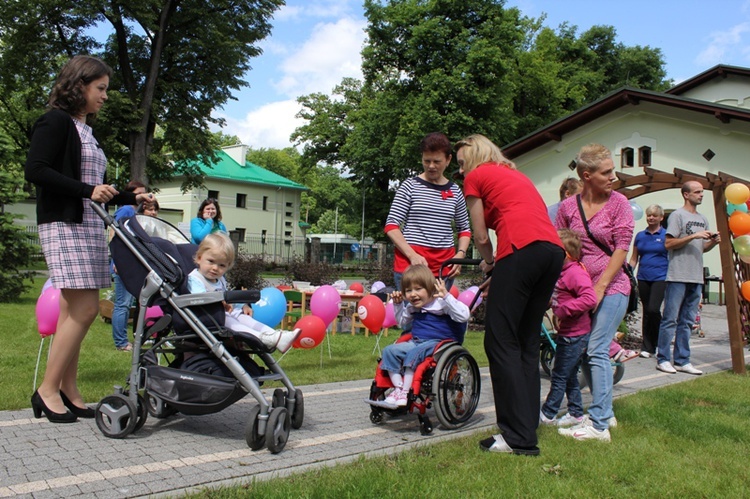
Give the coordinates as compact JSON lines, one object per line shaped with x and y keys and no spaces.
{"x":48,"y":311}
{"x":47,"y":285}
{"x":154,"y":312}
{"x":390,"y":315}
{"x":325,"y":303}
{"x":467,"y":297}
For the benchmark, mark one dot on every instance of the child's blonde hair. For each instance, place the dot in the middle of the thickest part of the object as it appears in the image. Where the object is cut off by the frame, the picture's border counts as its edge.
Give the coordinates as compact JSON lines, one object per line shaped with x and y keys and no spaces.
{"x":572,"y":242}
{"x":219,"y":242}
{"x":419,"y":275}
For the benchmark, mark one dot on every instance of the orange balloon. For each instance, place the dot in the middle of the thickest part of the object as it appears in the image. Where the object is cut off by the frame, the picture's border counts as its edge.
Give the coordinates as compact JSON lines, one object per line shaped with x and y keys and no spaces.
{"x":739,"y":223}
{"x":746,"y":290}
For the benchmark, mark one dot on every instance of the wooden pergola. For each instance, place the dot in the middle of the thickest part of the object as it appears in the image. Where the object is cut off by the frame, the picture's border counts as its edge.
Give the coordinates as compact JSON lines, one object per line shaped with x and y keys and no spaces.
{"x":734,"y":271}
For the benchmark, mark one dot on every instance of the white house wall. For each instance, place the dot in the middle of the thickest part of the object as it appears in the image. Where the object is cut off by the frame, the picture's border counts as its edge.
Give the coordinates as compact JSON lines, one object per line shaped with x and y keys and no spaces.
{"x":679,"y":143}
{"x":730,"y":91}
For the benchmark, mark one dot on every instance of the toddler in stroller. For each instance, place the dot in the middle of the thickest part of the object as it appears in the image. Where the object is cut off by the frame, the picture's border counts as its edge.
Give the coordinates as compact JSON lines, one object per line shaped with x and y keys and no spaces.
{"x":195,"y":364}
{"x":215,"y":256}
{"x":429,"y":364}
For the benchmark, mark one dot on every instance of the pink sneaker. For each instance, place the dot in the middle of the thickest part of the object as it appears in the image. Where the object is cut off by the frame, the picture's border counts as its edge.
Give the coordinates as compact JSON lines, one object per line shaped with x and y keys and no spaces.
{"x":625,"y":355}
{"x":396,"y":398}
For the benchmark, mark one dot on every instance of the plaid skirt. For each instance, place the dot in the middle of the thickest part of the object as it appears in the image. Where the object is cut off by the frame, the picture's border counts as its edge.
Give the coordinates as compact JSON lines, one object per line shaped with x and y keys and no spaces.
{"x":76,"y":254}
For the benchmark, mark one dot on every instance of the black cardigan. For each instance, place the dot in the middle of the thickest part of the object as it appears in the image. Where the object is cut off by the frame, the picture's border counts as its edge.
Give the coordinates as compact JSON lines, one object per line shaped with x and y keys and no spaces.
{"x":54,"y":166}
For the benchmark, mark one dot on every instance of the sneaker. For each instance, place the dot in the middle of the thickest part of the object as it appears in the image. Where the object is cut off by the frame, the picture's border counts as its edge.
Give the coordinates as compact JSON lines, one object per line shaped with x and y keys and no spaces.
{"x":498,"y":444}
{"x":286,"y":338}
{"x":645,"y":354}
{"x":625,"y":355}
{"x":396,"y":398}
{"x":666,"y":367}
{"x":569,"y":420}
{"x":545,"y":420}
{"x":585,"y":431}
{"x":689,"y":369}
{"x":612,"y":422}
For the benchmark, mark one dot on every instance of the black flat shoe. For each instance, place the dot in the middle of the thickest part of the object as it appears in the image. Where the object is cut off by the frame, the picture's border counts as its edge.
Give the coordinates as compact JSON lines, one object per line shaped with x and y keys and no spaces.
{"x":78,"y":411}
{"x":39,"y":407}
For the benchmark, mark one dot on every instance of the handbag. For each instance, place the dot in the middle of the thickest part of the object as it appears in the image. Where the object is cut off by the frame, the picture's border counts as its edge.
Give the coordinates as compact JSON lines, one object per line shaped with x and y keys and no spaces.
{"x":633,"y":297}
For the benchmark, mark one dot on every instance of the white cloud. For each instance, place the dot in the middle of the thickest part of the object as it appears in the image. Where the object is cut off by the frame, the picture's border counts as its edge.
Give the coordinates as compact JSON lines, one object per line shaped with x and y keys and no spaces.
{"x":268,"y":126}
{"x":723,"y":44}
{"x":331,"y":53}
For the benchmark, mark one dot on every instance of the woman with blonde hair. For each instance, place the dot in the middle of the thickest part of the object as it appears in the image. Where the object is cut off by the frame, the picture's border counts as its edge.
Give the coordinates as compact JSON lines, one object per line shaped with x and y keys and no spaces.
{"x":527,"y":263}
{"x":604,"y":219}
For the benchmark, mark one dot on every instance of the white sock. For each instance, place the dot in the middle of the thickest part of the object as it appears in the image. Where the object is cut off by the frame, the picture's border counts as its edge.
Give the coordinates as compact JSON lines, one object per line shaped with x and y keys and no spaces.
{"x":396,"y":379}
{"x":408,"y":378}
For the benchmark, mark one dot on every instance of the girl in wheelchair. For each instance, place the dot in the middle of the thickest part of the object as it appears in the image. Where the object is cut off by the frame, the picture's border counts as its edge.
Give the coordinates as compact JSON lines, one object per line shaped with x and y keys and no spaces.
{"x":434,"y":315}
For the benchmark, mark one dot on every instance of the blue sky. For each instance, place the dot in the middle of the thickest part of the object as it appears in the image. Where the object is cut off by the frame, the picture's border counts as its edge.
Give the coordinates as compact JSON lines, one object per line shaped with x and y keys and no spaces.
{"x":316,"y":43}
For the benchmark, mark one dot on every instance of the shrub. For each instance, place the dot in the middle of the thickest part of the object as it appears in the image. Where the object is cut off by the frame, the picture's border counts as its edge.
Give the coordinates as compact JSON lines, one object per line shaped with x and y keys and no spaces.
{"x":247,"y":272}
{"x":373,"y":272}
{"x":317,"y":274}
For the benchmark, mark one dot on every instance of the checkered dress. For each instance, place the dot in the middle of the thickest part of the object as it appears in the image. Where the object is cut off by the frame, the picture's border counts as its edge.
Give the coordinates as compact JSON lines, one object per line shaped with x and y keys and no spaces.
{"x":76,"y":254}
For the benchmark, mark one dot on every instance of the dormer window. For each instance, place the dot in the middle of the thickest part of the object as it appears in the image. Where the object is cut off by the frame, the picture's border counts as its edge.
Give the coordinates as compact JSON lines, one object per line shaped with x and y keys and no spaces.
{"x":644,"y":156}
{"x":627,"y":156}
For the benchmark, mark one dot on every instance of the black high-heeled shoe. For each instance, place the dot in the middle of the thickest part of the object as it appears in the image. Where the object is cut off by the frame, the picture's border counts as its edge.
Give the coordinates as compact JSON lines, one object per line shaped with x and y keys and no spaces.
{"x":78,"y":411}
{"x":39,"y":407}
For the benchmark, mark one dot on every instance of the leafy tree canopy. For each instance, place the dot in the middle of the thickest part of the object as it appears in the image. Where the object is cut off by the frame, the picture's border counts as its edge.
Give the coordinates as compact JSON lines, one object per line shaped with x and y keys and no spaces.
{"x":460,"y":68}
{"x":174,"y":62}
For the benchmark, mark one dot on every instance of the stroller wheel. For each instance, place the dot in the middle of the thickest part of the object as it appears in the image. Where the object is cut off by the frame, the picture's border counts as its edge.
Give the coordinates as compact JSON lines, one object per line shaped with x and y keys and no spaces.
{"x":157,"y":407}
{"x":298,"y":414}
{"x":618,"y":371}
{"x":546,"y":356}
{"x":142,"y":414}
{"x":116,"y":416}
{"x":277,"y":429}
{"x":279,"y":398}
{"x":254,"y":440}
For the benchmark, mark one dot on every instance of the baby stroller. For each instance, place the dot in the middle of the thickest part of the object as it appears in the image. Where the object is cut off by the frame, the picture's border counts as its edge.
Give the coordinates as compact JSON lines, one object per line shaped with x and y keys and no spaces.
{"x":194,"y":365}
{"x":548,"y":347}
{"x":449,"y":379}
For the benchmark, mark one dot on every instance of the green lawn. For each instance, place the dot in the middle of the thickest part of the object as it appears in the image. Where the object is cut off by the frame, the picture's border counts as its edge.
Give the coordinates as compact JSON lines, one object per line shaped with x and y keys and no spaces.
{"x":101,"y":366}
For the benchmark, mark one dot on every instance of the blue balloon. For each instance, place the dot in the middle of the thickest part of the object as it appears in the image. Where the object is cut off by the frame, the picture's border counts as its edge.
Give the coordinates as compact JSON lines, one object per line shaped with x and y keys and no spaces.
{"x":637,"y":210}
{"x":271,"y":307}
{"x":731,"y":208}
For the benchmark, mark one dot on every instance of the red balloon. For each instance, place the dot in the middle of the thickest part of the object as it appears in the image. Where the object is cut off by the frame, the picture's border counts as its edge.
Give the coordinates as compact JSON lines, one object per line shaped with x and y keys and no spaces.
{"x":371,"y":311}
{"x":356,"y":286}
{"x":313,"y":331}
{"x":454,"y":291}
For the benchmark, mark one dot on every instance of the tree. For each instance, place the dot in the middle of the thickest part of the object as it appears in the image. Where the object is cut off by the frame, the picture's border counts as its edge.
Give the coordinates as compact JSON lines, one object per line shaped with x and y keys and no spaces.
{"x":460,"y":68}
{"x":175,"y":61}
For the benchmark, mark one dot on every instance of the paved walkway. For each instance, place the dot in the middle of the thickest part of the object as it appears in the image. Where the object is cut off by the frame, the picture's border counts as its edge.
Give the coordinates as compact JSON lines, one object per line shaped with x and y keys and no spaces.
{"x":170,"y":456}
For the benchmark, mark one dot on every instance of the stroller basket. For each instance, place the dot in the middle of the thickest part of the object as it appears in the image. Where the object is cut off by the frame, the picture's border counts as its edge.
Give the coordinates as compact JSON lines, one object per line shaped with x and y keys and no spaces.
{"x":192,"y":393}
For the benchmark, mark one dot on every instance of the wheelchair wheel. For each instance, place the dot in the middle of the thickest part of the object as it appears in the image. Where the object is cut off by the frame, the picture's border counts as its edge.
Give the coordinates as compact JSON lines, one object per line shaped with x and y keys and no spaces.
{"x":546,"y":357}
{"x":456,"y":384}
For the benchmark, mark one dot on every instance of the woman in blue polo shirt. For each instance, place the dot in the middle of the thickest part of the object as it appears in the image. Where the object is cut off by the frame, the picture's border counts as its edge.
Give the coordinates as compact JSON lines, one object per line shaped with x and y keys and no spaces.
{"x":651,"y":256}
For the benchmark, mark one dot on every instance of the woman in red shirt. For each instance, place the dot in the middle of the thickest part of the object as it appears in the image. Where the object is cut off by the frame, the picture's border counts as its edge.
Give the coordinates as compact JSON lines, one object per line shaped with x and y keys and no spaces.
{"x":527,"y":263}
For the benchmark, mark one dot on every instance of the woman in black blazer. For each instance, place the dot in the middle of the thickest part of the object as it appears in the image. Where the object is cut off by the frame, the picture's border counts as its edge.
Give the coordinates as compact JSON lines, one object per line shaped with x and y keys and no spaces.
{"x":67,"y":166}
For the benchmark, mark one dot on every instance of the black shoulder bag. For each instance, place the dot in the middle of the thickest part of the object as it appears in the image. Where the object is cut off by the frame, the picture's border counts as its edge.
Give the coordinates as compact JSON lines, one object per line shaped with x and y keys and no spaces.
{"x":633,"y":298}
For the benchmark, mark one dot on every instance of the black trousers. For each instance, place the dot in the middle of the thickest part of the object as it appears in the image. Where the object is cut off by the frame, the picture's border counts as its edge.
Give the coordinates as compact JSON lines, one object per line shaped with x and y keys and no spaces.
{"x":521,"y":286}
{"x":652,"y":296}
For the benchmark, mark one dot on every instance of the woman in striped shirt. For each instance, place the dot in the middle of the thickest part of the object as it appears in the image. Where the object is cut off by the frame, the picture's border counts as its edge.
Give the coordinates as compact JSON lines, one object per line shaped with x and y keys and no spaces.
{"x":423,"y":214}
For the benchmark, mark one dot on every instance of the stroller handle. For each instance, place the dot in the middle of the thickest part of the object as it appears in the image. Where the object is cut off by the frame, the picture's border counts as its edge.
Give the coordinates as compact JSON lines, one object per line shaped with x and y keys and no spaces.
{"x":458,"y":261}
{"x":242,"y":296}
{"x":103,"y":214}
